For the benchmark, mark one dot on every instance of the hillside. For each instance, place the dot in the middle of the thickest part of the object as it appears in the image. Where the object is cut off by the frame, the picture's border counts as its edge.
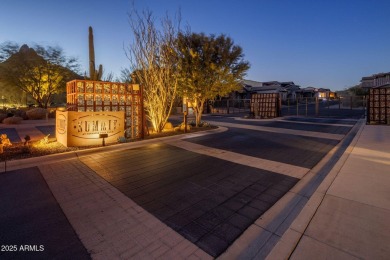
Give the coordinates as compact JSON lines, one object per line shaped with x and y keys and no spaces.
{"x":11,"y":95}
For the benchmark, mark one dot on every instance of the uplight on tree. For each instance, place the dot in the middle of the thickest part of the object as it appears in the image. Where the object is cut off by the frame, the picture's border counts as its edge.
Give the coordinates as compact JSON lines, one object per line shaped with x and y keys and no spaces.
{"x":153,"y":64}
{"x":210,"y":67}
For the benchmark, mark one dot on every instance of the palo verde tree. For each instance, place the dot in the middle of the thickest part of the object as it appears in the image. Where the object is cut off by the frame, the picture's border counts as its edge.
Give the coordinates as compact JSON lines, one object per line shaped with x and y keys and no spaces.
{"x":39,"y":71}
{"x":153,"y":64}
{"x":210,"y":66}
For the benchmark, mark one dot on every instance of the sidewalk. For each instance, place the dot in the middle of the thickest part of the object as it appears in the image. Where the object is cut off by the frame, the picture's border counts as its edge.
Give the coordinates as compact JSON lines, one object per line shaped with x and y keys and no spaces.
{"x":348,"y":216}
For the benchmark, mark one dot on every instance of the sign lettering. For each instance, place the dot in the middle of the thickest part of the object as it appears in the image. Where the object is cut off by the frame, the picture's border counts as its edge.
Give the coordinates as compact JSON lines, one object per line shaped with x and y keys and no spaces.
{"x":84,"y":128}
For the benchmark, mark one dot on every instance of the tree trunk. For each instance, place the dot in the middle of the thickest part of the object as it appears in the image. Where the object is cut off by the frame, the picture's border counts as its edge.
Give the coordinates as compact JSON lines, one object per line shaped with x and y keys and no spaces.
{"x":199,"y":112}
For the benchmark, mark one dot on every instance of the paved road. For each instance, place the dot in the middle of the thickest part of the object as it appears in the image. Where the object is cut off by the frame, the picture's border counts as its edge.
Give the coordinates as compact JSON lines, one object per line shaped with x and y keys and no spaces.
{"x":208,"y":200}
{"x":33,"y":225}
{"x":209,"y":188}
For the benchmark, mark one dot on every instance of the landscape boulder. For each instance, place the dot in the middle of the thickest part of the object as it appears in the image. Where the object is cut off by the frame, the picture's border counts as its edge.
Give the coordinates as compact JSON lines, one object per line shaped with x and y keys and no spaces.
{"x":15,"y":120}
{"x":36,"y":113}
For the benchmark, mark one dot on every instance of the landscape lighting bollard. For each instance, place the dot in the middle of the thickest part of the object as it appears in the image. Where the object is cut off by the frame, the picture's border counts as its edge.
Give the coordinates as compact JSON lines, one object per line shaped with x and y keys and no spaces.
{"x":2,"y":152}
{"x":185,"y":121}
{"x":103,"y":136}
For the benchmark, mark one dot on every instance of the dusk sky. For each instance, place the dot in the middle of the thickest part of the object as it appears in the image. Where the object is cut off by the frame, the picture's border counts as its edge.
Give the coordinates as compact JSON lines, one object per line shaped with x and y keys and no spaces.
{"x":327,"y":43}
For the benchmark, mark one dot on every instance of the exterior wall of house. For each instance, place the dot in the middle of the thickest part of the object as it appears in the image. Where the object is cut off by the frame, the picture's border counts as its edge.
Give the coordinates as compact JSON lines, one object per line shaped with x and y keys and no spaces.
{"x":382,"y":80}
{"x":376,"y":80}
{"x":367,"y":82}
{"x":287,"y":90}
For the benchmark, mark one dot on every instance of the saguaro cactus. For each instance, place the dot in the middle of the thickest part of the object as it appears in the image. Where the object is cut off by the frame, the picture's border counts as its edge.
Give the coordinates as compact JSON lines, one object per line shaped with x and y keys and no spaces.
{"x":93,"y":73}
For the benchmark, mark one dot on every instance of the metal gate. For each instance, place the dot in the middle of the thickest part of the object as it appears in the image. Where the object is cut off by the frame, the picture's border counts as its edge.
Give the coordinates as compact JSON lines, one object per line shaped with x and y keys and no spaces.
{"x":87,"y":95}
{"x":378,"y":109}
{"x":341,"y":107}
{"x":228,"y":106}
{"x":265,"y":105}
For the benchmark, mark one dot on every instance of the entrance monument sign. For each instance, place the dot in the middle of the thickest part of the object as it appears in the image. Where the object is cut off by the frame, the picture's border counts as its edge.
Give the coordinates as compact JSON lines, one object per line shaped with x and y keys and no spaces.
{"x":85,"y":128}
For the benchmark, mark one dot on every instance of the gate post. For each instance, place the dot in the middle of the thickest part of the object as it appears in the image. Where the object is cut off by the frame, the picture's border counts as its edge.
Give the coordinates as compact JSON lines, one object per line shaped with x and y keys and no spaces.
{"x":185,"y":120}
{"x":280,"y":106}
{"x":306,"y":106}
{"x":288,"y":106}
{"x":351,"y":102}
{"x":143,"y":118}
{"x":227,"y":105}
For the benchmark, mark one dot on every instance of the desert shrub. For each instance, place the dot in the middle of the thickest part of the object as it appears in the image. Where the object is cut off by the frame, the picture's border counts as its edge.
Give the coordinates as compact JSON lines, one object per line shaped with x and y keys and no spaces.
{"x":52,"y":113}
{"x":182,"y":127}
{"x":122,"y":139}
{"x":36,"y":113}
{"x":2,"y":117}
{"x":12,"y":120}
{"x":19,"y":113}
{"x":201,"y":124}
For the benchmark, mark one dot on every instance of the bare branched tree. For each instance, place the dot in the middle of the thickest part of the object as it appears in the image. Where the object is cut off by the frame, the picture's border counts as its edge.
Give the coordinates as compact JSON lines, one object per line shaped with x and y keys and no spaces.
{"x":153,"y":64}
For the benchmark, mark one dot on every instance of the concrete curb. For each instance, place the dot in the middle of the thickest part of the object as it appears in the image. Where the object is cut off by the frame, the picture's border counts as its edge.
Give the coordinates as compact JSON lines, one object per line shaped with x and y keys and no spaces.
{"x":285,"y":247}
{"x":47,"y":159}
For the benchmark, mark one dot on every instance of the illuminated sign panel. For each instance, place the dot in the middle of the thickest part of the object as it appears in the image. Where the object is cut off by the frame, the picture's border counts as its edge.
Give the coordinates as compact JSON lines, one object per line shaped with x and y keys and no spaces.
{"x":83,"y":128}
{"x":99,"y":96}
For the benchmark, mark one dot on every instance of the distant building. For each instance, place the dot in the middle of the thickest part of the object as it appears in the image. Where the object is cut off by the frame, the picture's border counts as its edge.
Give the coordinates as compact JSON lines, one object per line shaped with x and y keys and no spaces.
{"x":320,"y":93}
{"x":287,"y":90}
{"x":376,"y":80}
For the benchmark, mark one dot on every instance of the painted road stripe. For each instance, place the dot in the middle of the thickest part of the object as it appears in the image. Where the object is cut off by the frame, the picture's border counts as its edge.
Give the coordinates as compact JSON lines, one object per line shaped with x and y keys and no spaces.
{"x":292,"y":121}
{"x":273,"y":166}
{"x":313,"y":123}
{"x":337,"y":137}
